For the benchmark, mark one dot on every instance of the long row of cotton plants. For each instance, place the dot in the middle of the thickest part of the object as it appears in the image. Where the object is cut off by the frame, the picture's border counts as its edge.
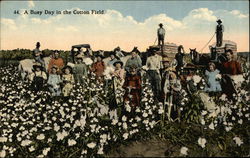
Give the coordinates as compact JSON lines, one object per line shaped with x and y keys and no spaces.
{"x":39,"y":125}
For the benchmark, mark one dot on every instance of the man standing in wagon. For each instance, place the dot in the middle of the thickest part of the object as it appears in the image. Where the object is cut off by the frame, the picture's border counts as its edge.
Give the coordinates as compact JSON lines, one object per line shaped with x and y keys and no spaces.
{"x":219,"y":33}
{"x":161,"y":34}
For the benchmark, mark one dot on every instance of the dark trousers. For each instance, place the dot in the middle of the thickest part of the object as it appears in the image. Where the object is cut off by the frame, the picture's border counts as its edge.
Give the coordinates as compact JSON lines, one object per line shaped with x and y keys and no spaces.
{"x":219,"y":37}
{"x":160,"y":40}
{"x":154,"y":79}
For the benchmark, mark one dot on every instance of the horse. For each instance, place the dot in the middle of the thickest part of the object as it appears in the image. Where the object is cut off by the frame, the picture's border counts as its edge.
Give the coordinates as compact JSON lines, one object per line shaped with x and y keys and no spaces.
{"x":26,"y":65}
{"x":199,"y":59}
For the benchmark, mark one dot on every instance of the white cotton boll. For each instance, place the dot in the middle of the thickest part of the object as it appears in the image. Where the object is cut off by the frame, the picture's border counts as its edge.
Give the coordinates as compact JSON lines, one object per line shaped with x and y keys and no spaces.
{"x":3,"y":139}
{"x":202,"y":142}
{"x":114,"y":122}
{"x":40,"y":137}
{"x":238,"y":141}
{"x":137,"y":110}
{"x":84,"y":152}
{"x":137,"y":118}
{"x":26,"y":142}
{"x":100,"y":151}
{"x":145,"y":114}
{"x":125,"y":136}
{"x":31,"y":149}
{"x":134,"y":125}
{"x":184,"y":150}
{"x":124,"y":118}
{"x":71,"y":142}
{"x":240,"y":121}
{"x":91,"y":145}
{"x":196,"y":79}
{"x":146,"y":122}
{"x":124,"y":125}
{"x":45,"y":151}
{"x":160,"y":111}
{"x":211,"y":126}
{"x":228,"y":128}
{"x":49,"y":140}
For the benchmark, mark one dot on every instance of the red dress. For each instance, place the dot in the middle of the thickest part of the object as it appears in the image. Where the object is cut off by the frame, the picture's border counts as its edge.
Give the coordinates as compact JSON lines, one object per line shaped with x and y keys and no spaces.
{"x":134,"y":96}
{"x":232,"y":68}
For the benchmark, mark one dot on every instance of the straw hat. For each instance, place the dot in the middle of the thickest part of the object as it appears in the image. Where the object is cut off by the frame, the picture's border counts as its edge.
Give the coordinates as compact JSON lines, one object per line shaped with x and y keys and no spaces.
{"x":118,"y":62}
{"x":219,"y":21}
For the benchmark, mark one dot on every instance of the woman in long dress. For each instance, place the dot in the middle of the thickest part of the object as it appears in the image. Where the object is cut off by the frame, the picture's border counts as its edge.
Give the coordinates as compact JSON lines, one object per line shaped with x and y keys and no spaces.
{"x":118,"y":80}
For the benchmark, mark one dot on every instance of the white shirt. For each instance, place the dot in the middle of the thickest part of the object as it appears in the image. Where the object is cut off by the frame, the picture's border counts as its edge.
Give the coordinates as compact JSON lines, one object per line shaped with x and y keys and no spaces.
{"x":154,"y":62}
{"x":161,"y":31}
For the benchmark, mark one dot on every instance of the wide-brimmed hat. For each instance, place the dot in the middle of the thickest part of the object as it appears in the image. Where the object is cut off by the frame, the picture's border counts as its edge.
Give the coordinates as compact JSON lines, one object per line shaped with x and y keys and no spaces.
{"x":67,"y":67}
{"x":37,"y":65}
{"x":118,"y":62}
{"x":160,"y":24}
{"x":219,"y":21}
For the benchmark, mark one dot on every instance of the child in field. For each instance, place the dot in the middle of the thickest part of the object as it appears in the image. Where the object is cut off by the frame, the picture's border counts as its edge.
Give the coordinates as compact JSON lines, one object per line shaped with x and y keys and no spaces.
{"x":132,"y":85}
{"x":68,"y":81}
{"x":98,"y":67}
{"x":213,"y":84}
{"x":118,"y":79}
{"x":38,"y":77}
{"x":54,"y":82}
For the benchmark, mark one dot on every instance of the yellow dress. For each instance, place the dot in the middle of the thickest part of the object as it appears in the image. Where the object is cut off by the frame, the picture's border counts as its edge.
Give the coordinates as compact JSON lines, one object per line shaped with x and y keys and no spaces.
{"x":68,"y":81}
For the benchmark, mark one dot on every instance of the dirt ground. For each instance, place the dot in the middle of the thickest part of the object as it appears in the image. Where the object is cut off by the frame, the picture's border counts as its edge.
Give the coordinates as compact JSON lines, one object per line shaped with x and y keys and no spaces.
{"x":149,"y":148}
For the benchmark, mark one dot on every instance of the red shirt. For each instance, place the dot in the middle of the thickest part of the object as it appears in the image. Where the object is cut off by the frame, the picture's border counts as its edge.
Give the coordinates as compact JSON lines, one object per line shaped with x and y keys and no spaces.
{"x":57,"y":62}
{"x":232,"y":68}
{"x":98,"y":68}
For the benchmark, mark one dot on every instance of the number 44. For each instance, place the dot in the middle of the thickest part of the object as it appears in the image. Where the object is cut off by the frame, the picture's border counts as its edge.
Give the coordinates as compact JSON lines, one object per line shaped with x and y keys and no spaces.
{"x":16,"y":12}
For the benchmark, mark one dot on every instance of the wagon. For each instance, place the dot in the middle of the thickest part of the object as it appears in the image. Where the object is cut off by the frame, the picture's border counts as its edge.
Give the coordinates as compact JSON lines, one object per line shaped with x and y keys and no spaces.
{"x":78,"y":47}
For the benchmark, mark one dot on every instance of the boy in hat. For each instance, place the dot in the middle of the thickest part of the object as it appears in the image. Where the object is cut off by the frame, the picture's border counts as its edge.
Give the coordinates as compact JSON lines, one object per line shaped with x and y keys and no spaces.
{"x":38,"y":77}
{"x":219,"y":33}
{"x":80,"y":70}
{"x":132,"y":85}
{"x":171,"y":91}
{"x":56,"y":60}
{"x":98,"y":67}
{"x":38,"y":55}
{"x":161,"y":34}
{"x":54,"y":82}
{"x":68,"y":81}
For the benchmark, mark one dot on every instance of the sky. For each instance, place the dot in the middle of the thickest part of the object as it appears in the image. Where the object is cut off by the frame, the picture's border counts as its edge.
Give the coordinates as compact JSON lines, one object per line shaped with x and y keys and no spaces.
{"x":124,"y":23}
